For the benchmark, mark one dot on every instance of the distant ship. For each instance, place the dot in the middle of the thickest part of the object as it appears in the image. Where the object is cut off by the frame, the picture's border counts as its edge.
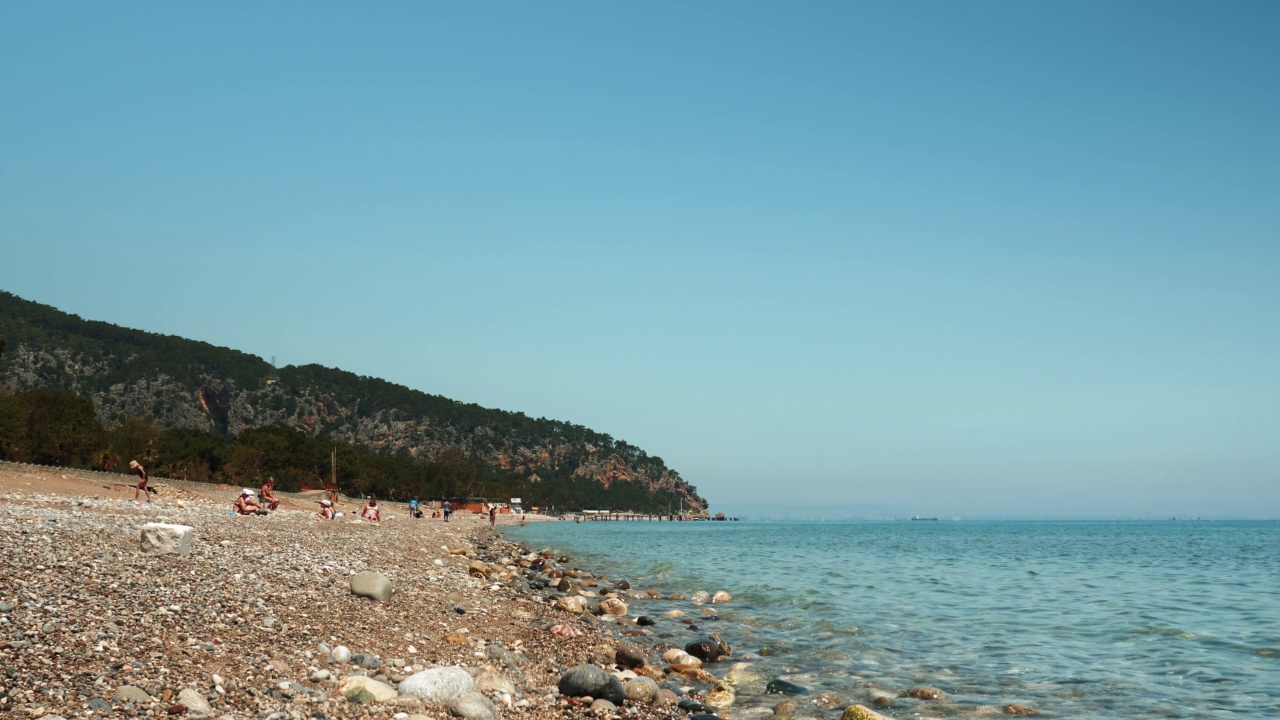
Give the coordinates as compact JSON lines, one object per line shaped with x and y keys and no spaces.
{"x":917,"y":517}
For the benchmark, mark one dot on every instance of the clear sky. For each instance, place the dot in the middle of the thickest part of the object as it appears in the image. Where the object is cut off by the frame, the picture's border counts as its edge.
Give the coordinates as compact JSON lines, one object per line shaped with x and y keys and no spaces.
{"x":953,"y":258}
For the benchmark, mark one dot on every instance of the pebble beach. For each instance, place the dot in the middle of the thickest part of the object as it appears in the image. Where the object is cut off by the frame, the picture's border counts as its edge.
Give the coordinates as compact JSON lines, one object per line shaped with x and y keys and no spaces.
{"x":259,"y":620}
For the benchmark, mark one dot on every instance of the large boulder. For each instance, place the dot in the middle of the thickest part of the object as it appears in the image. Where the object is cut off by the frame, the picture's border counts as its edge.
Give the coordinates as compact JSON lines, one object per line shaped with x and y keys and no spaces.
{"x":358,"y":688}
{"x":373,"y":585}
{"x":473,"y":706}
{"x":166,"y":539}
{"x":438,"y":685}
{"x":593,"y":681}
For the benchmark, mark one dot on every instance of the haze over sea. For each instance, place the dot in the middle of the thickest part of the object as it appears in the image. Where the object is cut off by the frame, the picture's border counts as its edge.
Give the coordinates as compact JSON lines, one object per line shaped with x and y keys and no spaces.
{"x":1078,"y":619}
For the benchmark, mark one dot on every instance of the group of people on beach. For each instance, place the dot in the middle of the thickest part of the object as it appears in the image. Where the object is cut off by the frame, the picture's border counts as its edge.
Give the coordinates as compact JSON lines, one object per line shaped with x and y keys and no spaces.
{"x":251,"y":503}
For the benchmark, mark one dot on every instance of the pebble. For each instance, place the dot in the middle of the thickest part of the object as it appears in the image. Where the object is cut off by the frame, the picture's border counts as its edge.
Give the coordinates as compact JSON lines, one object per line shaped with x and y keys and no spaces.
{"x":275,"y":593}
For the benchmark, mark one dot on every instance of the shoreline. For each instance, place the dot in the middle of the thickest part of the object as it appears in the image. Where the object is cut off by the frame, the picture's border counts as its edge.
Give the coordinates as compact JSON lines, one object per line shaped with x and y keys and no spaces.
{"x":245,"y":619}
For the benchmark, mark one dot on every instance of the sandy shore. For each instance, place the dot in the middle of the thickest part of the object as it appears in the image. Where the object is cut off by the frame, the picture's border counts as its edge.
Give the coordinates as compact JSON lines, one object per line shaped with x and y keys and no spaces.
{"x":248,"y":618}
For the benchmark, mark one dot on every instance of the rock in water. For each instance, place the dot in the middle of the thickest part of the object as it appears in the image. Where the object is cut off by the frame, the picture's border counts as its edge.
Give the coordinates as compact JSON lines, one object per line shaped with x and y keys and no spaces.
{"x":705,"y":650}
{"x":593,"y":681}
{"x":473,"y":706}
{"x":613,"y":606}
{"x":860,"y":712}
{"x":358,"y":688}
{"x":372,"y":585}
{"x":721,"y":696}
{"x":925,"y":692}
{"x":575,"y":604}
{"x":166,"y":539}
{"x":438,"y":685}
{"x":642,"y":690}
{"x":675,"y":656}
{"x":194,"y":702}
{"x":783,"y":687}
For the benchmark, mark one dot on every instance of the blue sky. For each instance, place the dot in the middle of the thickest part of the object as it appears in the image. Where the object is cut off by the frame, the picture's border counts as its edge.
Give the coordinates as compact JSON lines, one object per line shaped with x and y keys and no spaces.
{"x":878,"y":258}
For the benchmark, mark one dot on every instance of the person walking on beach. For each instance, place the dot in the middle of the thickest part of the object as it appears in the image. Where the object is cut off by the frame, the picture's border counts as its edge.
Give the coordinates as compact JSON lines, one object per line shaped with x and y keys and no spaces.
{"x":414,"y":511}
{"x":448,"y":510}
{"x":493,"y":514}
{"x":142,"y":481}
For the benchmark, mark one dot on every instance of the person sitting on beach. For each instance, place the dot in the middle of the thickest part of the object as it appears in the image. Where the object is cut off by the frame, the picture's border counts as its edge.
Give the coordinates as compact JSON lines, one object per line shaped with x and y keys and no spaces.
{"x":326,"y":509}
{"x":247,"y":504}
{"x":268,"y":494}
{"x":142,"y":480}
{"x":371,"y":511}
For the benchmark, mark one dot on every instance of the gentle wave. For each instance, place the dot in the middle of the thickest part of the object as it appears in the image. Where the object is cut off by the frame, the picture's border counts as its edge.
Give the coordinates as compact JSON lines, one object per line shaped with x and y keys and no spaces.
{"x":1082,"y":620}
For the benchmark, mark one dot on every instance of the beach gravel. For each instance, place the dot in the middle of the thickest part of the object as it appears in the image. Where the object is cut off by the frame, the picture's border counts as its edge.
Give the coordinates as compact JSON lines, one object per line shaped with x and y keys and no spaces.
{"x":242,"y":626}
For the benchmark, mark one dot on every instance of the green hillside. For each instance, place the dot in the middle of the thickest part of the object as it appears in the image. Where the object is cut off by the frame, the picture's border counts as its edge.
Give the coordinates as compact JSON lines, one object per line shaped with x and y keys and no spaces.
{"x":204,"y":412}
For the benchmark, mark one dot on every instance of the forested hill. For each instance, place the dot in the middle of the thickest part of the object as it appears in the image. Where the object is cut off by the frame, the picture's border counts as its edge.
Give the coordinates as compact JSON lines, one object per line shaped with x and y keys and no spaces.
{"x":402,"y":442}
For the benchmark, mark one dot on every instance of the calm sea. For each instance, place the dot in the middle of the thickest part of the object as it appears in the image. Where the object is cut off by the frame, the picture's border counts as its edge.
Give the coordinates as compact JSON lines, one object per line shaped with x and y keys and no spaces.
{"x":1077,"y":619}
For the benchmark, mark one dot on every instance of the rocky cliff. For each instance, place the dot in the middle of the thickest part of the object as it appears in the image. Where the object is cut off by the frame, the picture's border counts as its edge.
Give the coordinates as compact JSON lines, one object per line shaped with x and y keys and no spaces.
{"x":188,"y":384}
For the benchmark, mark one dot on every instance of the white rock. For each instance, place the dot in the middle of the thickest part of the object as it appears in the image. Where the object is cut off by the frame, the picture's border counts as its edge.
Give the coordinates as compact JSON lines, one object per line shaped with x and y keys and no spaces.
{"x":340,"y":654}
{"x":166,"y":539}
{"x":438,"y":685}
{"x":195,"y":702}
{"x":355,"y":686}
{"x":373,"y":585}
{"x":473,"y":706}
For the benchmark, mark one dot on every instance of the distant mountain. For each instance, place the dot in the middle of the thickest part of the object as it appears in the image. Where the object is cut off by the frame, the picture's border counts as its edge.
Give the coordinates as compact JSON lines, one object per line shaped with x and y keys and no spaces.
{"x":194,"y":385}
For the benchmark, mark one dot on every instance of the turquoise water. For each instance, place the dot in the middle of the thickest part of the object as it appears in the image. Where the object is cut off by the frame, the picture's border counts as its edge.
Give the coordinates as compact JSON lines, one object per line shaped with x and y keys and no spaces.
{"x":1077,"y":619}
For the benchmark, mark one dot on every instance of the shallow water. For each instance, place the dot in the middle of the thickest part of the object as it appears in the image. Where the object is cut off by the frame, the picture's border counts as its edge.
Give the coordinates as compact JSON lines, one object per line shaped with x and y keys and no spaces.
{"x":1077,"y":619}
